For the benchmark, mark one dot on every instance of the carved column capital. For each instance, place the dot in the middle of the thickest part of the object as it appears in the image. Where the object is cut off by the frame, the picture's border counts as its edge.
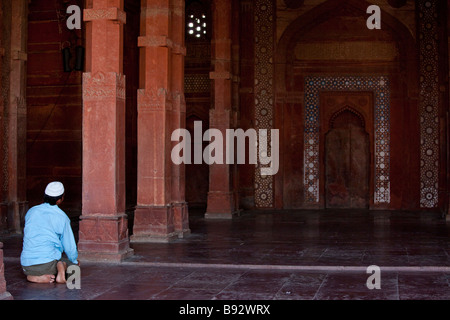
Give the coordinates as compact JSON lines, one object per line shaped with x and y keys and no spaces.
{"x":112,"y":13}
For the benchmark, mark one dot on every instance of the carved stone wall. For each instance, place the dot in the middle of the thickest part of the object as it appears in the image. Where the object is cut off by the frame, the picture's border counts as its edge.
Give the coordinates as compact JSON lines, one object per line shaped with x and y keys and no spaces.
{"x":54,"y":98}
{"x":379,"y":85}
{"x":429,"y":103}
{"x":264,"y":101}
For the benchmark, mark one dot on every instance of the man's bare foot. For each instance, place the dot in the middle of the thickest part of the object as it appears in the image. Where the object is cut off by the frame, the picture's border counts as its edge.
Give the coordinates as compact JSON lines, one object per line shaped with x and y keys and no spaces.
{"x":46,"y":278}
{"x":61,"y":276}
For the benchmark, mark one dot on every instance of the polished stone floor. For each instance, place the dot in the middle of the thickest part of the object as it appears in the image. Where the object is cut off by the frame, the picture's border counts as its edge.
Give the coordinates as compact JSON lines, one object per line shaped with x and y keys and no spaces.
{"x":285,"y":255}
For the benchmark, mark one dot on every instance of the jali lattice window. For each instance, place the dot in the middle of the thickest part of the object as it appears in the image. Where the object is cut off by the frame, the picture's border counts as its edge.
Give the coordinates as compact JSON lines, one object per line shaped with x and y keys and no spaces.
{"x":196,"y":21}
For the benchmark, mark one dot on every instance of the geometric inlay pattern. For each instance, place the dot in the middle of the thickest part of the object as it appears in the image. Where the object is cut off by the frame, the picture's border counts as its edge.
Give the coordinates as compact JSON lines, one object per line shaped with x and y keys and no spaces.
{"x":380,"y":87}
{"x":429,"y":103}
{"x":264,"y":49}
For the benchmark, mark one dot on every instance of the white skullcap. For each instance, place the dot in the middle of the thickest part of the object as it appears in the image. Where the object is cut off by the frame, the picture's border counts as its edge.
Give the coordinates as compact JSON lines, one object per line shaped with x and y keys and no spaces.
{"x":54,"y":189}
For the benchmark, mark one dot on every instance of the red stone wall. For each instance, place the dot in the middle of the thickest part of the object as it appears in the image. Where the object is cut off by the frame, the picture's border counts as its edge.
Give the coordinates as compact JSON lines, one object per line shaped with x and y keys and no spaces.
{"x":54,"y":105}
{"x":54,"y":101}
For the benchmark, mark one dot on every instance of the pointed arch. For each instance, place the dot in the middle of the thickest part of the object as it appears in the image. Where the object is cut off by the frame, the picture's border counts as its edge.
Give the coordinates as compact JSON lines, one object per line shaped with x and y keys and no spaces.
{"x":328,"y":10}
{"x":347,"y":109}
{"x":291,"y":88}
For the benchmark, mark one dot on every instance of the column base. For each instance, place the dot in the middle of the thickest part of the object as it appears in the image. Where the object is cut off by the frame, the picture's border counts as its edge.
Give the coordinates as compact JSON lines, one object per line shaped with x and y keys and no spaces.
{"x":153,"y":238}
{"x":4,"y":295}
{"x":219,"y":216}
{"x":220,"y":205}
{"x":154,"y":224}
{"x":104,"y":256}
{"x":104,"y":238}
{"x":181,"y":219}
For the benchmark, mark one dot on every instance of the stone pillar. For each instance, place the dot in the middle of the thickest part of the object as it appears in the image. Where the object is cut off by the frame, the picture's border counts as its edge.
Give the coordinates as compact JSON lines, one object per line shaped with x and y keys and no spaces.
{"x":180,"y":207}
{"x":14,"y":113}
{"x":221,"y":204}
{"x":448,"y":117}
{"x":103,"y":231}
{"x":3,"y":207}
{"x":154,"y":215}
{"x":247,"y":97}
{"x":235,"y":85}
{"x":3,"y":170}
{"x":4,"y":295}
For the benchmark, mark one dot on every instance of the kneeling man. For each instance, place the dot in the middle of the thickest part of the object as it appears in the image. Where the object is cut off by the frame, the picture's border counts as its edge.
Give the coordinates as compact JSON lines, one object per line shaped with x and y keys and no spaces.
{"x":47,"y":235}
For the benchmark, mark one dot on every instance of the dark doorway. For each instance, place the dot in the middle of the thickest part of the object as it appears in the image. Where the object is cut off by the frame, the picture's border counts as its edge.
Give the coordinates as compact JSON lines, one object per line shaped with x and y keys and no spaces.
{"x":347,"y":163}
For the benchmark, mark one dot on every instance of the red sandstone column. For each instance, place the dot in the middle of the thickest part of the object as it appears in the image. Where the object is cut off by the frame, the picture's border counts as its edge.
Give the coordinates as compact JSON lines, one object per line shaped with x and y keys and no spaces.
{"x":103,"y":227}
{"x":180,"y":208}
{"x":154,"y":214}
{"x":3,"y":204}
{"x":4,"y":295}
{"x":235,"y":71}
{"x":448,"y":119}
{"x":221,"y":204}
{"x":16,"y":117}
{"x":246,"y":96}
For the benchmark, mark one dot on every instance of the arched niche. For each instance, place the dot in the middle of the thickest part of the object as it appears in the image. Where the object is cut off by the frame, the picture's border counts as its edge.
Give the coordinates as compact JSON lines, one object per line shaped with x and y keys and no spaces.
{"x":347,"y":115}
{"x":334,"y":9}
{"x":398,"y":59}
{"x":347,"y":161}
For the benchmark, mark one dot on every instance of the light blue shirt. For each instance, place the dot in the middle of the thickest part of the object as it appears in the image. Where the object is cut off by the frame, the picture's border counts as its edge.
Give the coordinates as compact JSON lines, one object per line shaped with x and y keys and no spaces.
{"x":47,"y":235}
